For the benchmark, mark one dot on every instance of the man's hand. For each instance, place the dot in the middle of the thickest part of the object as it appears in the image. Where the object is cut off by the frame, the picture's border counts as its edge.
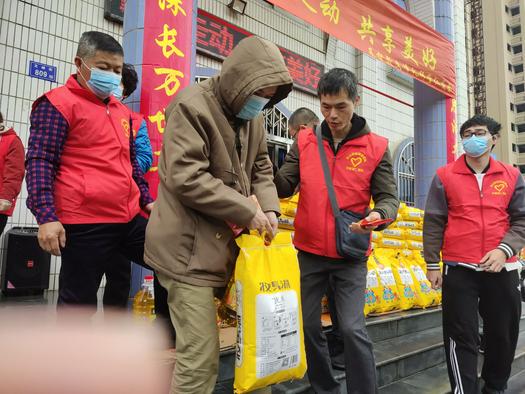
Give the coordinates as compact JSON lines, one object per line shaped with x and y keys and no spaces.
{"x":494,"y":261}
{"x":148,"y":208}
{"x":261,"y":223}
{"x":5,"y":205}
{"x":357,"y":229}
{"x":272,"y":218}
{"x":435,"y":278}
{"x":51,"y":237}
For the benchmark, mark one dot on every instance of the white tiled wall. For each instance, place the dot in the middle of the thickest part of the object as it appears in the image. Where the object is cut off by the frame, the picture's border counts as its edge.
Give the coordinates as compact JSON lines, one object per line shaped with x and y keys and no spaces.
{"x":46,"y":31}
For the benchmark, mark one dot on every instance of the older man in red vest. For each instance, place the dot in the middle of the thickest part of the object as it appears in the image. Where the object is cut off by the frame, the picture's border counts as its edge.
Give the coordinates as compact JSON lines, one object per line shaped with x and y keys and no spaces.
{"x":84,"y":183}
{"x":360,"y":167}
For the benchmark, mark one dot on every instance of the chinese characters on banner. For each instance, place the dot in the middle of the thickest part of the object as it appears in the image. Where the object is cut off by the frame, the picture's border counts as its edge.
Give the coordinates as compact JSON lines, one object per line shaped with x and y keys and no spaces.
{"x":387,"y":33}
{"x":217,"y":38}
{"x":166,"y":67}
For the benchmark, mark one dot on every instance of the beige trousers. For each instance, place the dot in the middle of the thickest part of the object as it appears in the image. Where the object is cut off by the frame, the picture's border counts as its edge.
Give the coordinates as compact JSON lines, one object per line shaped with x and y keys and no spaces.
{"x":192,"y":311}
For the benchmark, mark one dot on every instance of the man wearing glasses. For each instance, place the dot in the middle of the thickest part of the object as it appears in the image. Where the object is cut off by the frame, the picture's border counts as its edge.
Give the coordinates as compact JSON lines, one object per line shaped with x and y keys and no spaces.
{"x":475,"y":216}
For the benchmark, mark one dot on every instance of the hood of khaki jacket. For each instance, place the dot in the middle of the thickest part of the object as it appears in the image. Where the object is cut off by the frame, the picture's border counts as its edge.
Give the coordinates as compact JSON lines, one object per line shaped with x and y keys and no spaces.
{"x":210,"y":164}
{"x":253,"y":64}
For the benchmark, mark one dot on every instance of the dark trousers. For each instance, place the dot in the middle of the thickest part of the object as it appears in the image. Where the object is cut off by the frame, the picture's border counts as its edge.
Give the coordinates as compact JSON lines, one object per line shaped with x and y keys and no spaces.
{"x":3,"y":222}
{"x":118,"y":278}
{"x":498,"y":298}
{"x":335,"y":340}
{"x":94,"y":249}
{"x":349,"y":283}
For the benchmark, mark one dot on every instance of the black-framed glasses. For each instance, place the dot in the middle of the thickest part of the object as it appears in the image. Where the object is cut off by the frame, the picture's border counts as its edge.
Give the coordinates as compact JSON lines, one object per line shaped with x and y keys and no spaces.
{"x":477,"y":133}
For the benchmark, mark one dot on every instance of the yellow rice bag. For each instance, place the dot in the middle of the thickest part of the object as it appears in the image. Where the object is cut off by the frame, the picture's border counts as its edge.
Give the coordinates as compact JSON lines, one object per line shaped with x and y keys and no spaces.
{"x":270,"y":340}
{"x":414,"y":235}
{"x":408,"y":224}
{"x":425,"y":295}
{"x":397,"y":233}
{"x":389,"y":296}
{"x":411,"y":214}
{"x":376,"y":236}
{"x":405,"y":283}
{"x":414,"y":245}
{"x":391,"y":243}
{"x":373,"y":289}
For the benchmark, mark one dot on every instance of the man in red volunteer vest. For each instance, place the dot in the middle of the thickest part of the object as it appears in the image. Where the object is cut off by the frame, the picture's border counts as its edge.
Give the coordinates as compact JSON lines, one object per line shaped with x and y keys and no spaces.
{"x":11,"y":171}
{"x":475,"y":217}
{"x":84,"y":183}
{"x":361,"y":168}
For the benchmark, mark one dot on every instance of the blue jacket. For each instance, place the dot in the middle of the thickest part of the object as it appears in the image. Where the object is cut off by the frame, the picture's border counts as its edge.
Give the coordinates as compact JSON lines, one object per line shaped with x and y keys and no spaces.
{"x":143,"y":148}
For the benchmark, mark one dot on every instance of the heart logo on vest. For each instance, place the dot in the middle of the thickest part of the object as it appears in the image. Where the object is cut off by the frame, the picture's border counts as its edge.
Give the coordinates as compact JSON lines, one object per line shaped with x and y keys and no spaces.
{"x":499,"y":188}
{"x":356,"y":160}
{"x":125,"y":125}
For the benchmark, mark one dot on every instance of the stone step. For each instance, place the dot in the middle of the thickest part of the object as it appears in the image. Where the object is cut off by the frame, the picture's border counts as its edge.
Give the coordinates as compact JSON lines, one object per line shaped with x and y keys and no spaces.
{"x":435,"y":380}
{"x":380,"y":329}
{"x":396,"y":358}
{"x":409,"y":355}
{"x":402,"y":323}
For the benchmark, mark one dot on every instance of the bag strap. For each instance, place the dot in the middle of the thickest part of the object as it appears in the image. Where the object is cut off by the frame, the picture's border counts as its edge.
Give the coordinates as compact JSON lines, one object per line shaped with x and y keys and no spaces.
{"x":326,"y":171}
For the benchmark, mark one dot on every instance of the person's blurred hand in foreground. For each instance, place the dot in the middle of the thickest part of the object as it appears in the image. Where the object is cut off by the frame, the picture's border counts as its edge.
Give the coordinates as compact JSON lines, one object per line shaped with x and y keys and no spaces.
{"x":42,"y":356}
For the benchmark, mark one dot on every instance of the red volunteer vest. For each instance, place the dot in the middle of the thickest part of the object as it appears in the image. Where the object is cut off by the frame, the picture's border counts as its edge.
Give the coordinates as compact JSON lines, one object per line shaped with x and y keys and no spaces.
{"x":94,"y":182}
{"x":5,"y":142}
{"x":351,"y":169}
{"x":136,"y":121}
{"x":477,"y":220}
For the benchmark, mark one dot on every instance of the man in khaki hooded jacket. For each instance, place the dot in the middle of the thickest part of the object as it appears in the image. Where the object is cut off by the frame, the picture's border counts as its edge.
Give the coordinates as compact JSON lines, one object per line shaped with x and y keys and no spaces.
{"x":213,"y":159}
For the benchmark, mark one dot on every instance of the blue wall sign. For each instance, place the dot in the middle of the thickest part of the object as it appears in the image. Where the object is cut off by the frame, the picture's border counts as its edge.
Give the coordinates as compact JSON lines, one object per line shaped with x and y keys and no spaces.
{"x":42,"y":71}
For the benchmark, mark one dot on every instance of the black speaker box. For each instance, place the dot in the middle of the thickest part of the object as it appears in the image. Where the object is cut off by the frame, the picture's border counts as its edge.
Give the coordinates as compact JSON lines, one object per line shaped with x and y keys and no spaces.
{"x":25,"y":266}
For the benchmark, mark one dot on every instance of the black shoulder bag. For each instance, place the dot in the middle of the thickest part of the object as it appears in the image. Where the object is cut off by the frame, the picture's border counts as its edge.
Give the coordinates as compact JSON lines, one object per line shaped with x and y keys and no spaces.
{"x":348,"y":244}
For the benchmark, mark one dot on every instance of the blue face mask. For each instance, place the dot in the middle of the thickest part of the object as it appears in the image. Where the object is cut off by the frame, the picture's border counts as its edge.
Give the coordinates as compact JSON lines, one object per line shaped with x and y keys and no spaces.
{"x":117,"y":93}
{"x":475,"y":146}
{"x":102,"y":83}
{"x":253,"y":107}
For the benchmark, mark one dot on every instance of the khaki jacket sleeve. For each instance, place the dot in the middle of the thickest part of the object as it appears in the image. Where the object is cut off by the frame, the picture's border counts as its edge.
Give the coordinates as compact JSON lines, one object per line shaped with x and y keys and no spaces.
{"x":384,"y":190}
{"x":187,"y":172}
{"x":287,"y":178}
{"x":262,"y":179}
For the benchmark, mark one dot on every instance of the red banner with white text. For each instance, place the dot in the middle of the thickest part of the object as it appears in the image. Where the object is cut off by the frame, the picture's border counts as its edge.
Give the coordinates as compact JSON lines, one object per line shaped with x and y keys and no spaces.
{"x":166,"y":66}
{"x":393,"y":36}
{"x":386,"y":32}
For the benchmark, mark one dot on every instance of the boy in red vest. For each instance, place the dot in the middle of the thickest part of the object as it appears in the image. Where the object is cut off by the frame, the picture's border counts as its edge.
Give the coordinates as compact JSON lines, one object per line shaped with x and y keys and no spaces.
{"x":84,"y":183}
{"x":361,"y":168}
{"x":11,"y":171}
{"x":475,"y":217}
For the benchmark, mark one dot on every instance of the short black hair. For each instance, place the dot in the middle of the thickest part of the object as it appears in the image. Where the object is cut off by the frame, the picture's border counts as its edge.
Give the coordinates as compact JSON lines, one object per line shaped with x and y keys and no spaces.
{"x":481,"y":120}
{"x":338,"y":79}
{"x":92,"y":41}
{"x":1,"y":118}
{"x":130,"y":79}
{"x":302,"y":116}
